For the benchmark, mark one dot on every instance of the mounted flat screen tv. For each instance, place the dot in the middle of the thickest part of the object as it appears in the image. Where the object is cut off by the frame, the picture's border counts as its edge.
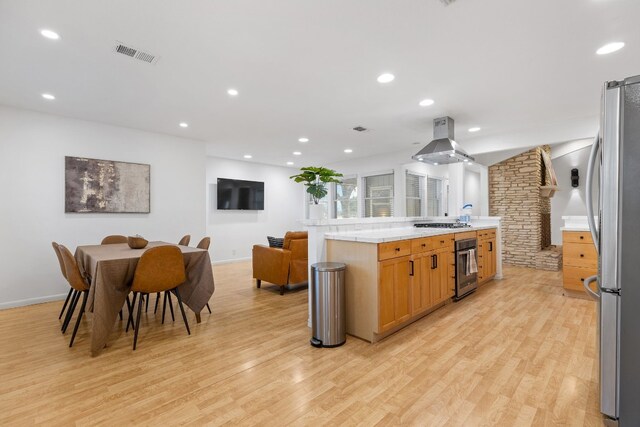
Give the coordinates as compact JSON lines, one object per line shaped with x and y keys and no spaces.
{"x":236,"y":194}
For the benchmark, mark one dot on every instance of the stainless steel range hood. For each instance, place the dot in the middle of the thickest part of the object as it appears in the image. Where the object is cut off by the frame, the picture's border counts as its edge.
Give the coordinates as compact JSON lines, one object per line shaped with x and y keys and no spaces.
{"x":443,"y":149}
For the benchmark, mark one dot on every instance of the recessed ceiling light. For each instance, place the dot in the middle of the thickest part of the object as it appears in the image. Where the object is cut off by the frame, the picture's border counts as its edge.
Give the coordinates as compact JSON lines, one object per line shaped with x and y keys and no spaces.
{"x":426,"y":102}
{"x":289,"y":163}
{"x":465,"y":160}
{"x":475,"y":129}
{"x":421,"y":159}
{"x":232,"y":92}
{"x":386,"y":78}
{"x":452,"y":155}
{"x":296,"y":153}
{"x":50,"y":34}
{"x":610,"y":48}
{"x":348,"y":150}
{"x":247,"y":156}
{"x":184,"y":125}
{"x":435,"y":164}
{"x":48,"y":96}
{"x":303,"y":139}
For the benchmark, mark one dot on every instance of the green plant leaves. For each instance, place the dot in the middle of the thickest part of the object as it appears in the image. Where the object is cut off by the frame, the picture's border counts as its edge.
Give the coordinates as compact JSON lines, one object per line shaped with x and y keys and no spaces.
{"x":315,"y":178}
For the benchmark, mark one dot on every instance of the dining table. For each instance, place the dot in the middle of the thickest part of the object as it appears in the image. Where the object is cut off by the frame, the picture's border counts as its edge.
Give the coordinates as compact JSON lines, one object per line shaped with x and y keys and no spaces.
{"x":110,"y":270}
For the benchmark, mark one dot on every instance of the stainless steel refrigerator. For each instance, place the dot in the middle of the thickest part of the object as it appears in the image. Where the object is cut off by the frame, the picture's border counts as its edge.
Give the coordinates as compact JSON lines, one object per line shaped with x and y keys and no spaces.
{"x":616,"y":234}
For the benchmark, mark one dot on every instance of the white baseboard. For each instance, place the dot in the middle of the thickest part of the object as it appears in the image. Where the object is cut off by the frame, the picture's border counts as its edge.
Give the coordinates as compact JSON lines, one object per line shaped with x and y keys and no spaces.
{"x":31,"y":301}
{"x":231,"y":261}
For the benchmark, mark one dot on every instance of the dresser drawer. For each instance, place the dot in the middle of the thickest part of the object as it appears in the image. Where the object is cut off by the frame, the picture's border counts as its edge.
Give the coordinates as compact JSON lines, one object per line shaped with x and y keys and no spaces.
{"x":421,"y":245}
{"x":579,"y":255}
{"x":441,"y":242}
{"x":390,"y":250}
{"x":577,"y":237}
{"x":574,"y":277}
{"x":486,"y":234}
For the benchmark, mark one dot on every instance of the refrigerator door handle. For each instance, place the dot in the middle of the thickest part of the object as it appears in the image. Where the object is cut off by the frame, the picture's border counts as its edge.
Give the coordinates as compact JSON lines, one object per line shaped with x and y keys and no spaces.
{"x":590,"y":292}
{"x":589,"y":193}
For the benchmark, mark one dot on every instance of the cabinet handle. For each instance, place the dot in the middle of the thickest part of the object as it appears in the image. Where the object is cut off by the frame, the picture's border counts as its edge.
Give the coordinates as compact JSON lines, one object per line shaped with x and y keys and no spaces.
{"x":397,"y":249}
{"x":424,"y":245}
{"x":434,"y":262}
{"x":581,"y":255}
{"x":490,"y":246}
{"x":581,"y":237}
{"x":581,"y":279}
{"x":411,"y":262}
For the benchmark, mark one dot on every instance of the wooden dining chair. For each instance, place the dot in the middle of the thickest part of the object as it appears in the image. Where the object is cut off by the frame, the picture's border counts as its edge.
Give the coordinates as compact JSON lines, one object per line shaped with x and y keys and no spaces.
{"x":185,"y":240}
{"x":160,"y":269}
{"x":79,"y":285}
{"x":113,"y":239}
{"x":64,"y":274}
{"x":204,"y":244}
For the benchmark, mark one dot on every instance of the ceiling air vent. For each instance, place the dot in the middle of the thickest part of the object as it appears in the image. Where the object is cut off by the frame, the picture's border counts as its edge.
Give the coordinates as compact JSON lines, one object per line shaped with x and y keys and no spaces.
{"x":135,"y":53}
{"x":360,"y":129}
{"x":447,"y":2}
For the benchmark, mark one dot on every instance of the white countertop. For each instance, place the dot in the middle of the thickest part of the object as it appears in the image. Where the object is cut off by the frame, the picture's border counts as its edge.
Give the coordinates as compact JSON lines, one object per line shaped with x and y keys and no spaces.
{"x":393,"y":234}
{"x":575,"y":228}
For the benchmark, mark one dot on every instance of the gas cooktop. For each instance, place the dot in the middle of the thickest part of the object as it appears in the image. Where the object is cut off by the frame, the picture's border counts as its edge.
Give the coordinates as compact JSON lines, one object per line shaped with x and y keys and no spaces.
{"x":442,"y":225}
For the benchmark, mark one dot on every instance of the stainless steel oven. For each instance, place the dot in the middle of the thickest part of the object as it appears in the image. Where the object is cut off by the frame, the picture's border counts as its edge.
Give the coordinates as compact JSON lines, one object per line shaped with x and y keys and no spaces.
{"x":466,"y":267}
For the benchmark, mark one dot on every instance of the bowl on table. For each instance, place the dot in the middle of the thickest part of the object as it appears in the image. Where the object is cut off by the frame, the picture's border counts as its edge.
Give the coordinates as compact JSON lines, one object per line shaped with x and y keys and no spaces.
{"x":137,"y":242}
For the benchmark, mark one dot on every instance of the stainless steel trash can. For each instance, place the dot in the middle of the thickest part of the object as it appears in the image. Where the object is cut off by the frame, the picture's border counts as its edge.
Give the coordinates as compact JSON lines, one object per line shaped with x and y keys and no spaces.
{"x":327,"y":304}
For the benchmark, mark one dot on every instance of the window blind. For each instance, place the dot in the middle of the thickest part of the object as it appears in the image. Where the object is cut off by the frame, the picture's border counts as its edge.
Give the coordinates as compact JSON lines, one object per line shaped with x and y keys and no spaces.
{"x":346,"y":201}
{"x":414,"y":194}
{"x":434,"y":197}
{"x":378,"y":197}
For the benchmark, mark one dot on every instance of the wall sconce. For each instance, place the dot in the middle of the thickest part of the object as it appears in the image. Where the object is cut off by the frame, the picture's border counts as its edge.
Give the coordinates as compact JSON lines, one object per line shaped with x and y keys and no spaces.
{"x":574,"y":178}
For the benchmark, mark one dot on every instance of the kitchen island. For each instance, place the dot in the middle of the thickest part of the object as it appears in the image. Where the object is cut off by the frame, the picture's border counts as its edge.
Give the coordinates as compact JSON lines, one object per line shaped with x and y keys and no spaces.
{"x":397,"y":275}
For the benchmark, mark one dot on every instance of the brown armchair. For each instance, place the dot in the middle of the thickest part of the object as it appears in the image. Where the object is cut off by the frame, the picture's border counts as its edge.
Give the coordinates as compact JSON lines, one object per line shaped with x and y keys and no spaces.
{"x":285,"y":266}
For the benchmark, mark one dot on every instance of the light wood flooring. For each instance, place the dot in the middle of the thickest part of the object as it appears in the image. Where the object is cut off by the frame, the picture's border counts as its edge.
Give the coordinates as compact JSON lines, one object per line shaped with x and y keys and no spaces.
{"x":516,"y":353}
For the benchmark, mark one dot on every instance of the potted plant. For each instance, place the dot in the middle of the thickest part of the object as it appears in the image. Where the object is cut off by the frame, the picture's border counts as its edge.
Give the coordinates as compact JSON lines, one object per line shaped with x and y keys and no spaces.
{"x":316,"y":179}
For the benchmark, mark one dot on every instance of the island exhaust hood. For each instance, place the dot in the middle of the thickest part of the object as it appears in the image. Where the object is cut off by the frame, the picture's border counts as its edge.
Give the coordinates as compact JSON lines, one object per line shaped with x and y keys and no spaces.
{"x":443,"y":149}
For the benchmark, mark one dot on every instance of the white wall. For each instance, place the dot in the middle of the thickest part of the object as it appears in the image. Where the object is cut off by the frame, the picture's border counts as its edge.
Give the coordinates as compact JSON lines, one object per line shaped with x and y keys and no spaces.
{"x":472,"y":190}
{"x":233,"y":233}
{"x":32,"y":151}
{"x":568,"y":200}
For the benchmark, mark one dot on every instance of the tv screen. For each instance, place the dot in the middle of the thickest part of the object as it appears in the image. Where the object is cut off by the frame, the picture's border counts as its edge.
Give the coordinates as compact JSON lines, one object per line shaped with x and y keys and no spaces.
{"x":237,"y":194}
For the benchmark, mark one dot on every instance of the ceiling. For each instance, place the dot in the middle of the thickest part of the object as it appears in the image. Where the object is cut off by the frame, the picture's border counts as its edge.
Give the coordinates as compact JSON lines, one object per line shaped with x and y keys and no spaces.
{"x":526,"y":72}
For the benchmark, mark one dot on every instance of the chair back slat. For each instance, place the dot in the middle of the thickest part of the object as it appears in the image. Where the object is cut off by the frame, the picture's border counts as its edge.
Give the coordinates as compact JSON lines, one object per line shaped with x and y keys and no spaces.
{"x":113,"y":239}
{"x":73,"y":275}
{"x":159,"y":269}
{"x":204,"y":243}
{"x":185,"y":240}
{"x":60,"y":261}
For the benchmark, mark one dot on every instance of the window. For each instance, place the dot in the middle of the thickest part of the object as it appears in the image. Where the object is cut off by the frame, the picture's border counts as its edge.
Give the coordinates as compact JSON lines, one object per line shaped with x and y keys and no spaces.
{"x":378,"y":195}
{"x":346,"y":198}
{"x":415,"y":191}
{"x":435,"y":205}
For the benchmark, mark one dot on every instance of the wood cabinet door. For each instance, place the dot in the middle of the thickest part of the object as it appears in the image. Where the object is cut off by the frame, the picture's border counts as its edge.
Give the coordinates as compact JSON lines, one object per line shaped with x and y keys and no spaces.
{"x":394,"y":292}
{"x":491,"y":256}
{"x":421,"y":283}
{"x":439,"y":276}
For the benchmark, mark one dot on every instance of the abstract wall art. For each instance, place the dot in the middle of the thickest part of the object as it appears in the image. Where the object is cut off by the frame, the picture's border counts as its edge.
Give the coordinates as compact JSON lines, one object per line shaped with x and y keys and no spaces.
{"x":106,"y":186}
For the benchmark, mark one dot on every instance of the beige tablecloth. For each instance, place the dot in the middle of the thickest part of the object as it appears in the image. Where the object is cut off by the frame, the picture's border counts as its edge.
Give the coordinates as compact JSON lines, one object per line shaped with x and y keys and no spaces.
{"x":111,"y":268}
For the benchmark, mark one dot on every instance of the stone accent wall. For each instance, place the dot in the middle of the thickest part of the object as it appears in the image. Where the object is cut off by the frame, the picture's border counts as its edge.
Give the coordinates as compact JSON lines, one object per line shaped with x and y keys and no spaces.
{"x":514,"y":195}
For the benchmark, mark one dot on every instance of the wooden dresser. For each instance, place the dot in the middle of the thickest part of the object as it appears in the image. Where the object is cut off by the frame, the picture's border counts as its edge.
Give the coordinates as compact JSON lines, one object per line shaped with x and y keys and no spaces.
{"x":580,"y":259}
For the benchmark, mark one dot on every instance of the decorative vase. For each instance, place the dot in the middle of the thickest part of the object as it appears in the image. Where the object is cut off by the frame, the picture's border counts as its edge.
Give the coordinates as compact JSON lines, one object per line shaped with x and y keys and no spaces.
{"x":317,"y":211}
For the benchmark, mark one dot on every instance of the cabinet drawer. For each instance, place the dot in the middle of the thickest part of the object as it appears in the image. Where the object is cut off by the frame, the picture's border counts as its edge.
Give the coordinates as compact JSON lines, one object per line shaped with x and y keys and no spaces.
{"x":390,"y":250}
{"x":421,"y":245}
{"x":576,"y":237}
{"x":442,"y":242}
{"x":573,"y":277}
{"x":486,"y":234}
{"x":579,"y":255}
